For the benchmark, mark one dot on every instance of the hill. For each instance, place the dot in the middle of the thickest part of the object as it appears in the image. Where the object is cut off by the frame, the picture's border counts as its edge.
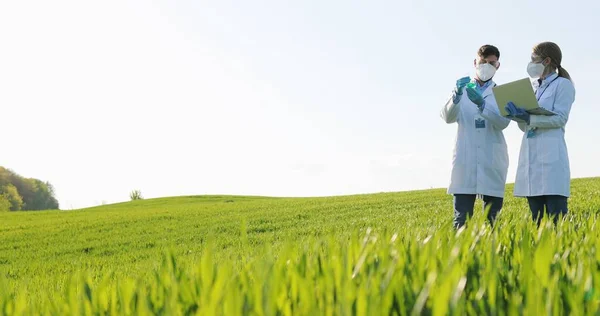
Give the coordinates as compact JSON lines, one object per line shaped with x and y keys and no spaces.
{"x":408,"y":238}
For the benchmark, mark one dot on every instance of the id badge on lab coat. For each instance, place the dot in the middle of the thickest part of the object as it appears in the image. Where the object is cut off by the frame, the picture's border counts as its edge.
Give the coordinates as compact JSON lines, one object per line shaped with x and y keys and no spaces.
{"x":479,"y":123}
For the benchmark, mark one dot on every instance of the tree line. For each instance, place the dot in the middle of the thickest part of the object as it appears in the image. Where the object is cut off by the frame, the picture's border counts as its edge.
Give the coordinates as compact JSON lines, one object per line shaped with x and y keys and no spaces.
{"x":25,"y":194}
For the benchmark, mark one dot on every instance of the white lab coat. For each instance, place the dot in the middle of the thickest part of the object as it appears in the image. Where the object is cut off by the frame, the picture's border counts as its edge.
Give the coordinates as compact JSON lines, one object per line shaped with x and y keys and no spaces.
{"x":480,"y":161}
{"x":544,"y":161}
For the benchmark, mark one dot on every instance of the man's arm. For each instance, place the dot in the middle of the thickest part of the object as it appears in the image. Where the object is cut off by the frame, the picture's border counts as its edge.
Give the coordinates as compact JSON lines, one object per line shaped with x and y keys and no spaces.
{"x":451,"y":109}
{"x":491,"y":113}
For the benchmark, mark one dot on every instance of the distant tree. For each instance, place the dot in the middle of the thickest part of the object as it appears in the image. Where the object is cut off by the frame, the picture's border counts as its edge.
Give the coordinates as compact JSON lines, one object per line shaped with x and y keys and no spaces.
{"x":33,"y":194}
{"x":51,"y":201}
{"x":136,"y":195}
{"x":4,"y":204}
{"x":4,"y":176}
{"x":43,"y":196}
{"x":10,"y":194}
{"x":25,"y":188}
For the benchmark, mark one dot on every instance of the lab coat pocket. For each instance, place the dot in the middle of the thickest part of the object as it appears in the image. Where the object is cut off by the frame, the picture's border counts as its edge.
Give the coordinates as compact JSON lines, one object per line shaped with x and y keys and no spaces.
{"x":458,"y":155}
{"x":548,"y":150}
{"x":500,"y":159}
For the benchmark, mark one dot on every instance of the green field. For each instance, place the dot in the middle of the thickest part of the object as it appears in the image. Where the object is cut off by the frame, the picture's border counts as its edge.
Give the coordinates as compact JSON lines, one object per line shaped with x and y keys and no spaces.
{"x":375,"y":254}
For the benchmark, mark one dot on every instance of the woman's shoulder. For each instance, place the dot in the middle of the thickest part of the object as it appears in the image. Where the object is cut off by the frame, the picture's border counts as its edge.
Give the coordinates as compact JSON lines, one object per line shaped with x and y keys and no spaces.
{"x":564,"y":83}
{"x":565,"y":89}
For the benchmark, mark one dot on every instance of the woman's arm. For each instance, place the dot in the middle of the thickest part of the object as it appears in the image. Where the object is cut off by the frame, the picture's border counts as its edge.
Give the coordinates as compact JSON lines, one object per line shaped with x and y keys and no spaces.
{"x":564,"y":98}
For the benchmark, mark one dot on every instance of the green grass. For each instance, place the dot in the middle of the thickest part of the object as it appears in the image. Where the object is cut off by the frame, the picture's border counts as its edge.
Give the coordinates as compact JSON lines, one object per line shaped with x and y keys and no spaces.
{"x":370,"y":254}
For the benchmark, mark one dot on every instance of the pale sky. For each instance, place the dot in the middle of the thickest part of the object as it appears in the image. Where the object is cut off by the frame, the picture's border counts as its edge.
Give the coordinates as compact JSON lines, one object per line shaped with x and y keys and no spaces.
{"x":262,"y":97}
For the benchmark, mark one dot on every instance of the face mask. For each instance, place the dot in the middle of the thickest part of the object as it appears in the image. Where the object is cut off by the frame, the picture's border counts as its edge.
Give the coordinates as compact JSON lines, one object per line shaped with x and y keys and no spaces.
{"x":535,"y":70}
{"x":485,"y":72}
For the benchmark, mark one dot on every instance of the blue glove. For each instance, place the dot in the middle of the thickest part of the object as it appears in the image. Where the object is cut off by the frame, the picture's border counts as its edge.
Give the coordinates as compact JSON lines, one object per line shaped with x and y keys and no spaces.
{"x":475,"y":97}
{"x":458,"y":90}
{"x":461,"y":83}
{"x":517,"y":112}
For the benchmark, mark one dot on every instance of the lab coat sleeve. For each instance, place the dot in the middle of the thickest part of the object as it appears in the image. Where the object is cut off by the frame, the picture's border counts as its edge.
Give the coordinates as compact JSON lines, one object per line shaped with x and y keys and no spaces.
{"x":492,"y":114}
{"x":564,"y":98}
{"x":450,"y":111}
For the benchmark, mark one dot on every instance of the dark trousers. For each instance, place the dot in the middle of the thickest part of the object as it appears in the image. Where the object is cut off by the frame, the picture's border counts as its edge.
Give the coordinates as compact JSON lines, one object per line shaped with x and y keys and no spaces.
{"x":465,"y":203}
{"x":551,"y":205}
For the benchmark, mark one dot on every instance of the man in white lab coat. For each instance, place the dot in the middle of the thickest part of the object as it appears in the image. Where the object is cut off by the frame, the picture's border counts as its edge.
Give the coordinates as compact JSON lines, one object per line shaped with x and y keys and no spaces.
{"x":480,"y":161}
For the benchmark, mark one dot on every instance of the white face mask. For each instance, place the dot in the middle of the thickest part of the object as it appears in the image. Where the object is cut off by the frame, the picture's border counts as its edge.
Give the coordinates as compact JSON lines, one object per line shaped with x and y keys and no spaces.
{"x":535,"y":70}
{"x":485,"y":72}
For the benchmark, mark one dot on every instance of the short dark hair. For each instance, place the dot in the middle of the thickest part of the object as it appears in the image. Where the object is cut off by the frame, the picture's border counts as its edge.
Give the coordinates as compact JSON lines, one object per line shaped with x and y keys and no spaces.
{"x":488,"y":50}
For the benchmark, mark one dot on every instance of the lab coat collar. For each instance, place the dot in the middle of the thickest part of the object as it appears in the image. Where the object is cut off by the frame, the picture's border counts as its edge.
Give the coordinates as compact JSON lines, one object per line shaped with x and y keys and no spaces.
{"x":486,"y":88}
{"x":544,"y":82}
{"x":485,"y":85}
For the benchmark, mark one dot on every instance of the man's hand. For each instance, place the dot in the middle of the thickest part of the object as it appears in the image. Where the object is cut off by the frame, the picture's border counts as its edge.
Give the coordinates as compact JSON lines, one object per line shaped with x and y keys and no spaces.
{"x":475,"y":97}
{"x":458,"y":90}
{"x":461,"y":83}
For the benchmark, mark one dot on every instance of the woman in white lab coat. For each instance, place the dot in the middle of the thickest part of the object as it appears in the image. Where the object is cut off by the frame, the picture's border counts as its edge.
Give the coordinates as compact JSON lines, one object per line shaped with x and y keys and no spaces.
{"x":543,"y":174}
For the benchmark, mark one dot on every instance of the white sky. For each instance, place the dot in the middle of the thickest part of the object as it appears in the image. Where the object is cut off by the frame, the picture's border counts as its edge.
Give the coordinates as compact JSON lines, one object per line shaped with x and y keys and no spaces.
{"x":262,"y":97}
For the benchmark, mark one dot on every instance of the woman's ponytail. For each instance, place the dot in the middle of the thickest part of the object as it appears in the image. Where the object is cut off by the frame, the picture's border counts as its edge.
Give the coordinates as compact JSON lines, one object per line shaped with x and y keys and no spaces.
{"x":562,"y":72}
